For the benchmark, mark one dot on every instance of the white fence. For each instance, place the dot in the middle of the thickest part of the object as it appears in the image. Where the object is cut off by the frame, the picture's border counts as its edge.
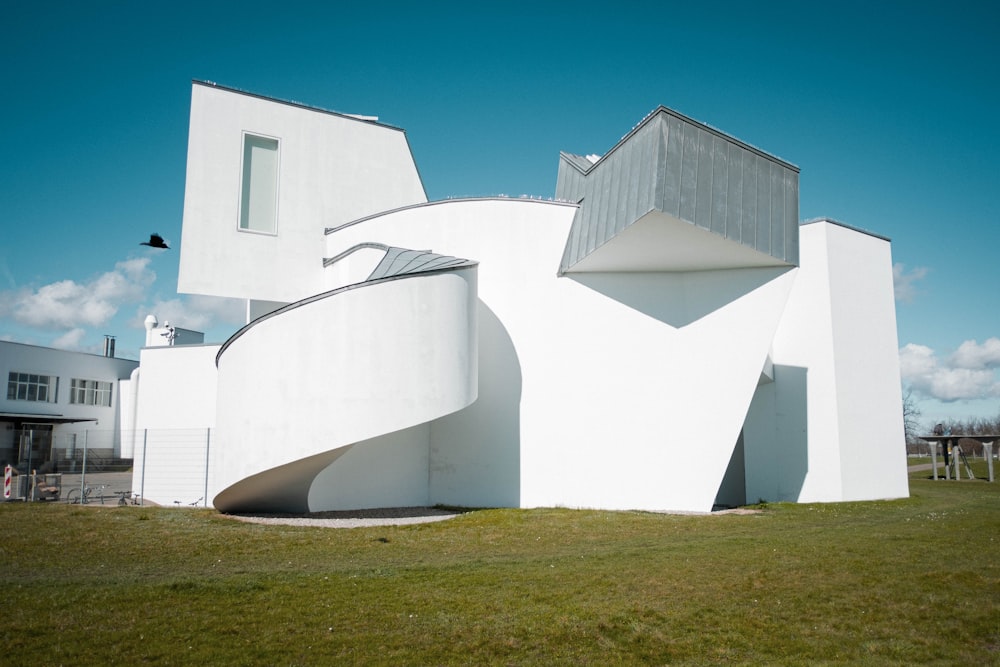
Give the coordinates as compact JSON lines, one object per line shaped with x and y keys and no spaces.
{"x":170,"y":466}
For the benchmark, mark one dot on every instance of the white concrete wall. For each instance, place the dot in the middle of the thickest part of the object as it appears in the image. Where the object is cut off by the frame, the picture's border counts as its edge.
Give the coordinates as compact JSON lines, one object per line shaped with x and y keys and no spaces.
{"x":475,"y":454}
{"x":385,"y":471}
{"x":660,"y":410}
{"x":126,"y":414}
{"x":866,"y":358}
{"x":177,"y":387}
{"x":332,"y":169}
{"x":299,"y":388}
{"x":174,"y":417}
{"x":633,"y":387}
{"x":830,"y":427}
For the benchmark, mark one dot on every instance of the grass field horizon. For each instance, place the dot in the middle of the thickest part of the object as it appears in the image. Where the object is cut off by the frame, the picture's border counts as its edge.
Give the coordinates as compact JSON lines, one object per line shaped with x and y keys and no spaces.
{"x":913,"y":580}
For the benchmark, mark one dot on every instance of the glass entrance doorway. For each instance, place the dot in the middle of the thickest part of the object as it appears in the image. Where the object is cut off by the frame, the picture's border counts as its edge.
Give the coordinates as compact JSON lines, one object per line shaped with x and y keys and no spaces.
{"x":34,"y":448}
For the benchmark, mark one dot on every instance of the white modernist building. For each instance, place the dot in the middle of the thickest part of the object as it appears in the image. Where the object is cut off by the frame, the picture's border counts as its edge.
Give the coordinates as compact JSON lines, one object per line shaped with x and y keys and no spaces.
{"x":59,"y":403}
{"x":663,"y":335}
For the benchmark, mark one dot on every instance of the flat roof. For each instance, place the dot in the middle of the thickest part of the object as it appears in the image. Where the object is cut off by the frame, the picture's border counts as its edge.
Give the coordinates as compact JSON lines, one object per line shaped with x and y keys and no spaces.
{"x":685,"y":119}
{"x":308,"y":107}
{"x":845,"y":226}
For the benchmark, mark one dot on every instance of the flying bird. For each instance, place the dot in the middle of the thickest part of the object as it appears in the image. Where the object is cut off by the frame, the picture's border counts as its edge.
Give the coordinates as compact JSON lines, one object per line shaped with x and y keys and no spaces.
{"x":155,"y":241}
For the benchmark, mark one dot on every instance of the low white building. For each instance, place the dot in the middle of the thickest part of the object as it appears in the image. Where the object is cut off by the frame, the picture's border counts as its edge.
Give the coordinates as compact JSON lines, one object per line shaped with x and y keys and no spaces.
{"x":57,"y":403}
{"x":662,"y":335}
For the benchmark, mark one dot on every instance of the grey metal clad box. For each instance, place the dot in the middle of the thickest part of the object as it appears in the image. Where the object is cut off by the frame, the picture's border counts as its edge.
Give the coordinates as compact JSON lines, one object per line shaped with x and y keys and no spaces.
{"x":690,"y":172}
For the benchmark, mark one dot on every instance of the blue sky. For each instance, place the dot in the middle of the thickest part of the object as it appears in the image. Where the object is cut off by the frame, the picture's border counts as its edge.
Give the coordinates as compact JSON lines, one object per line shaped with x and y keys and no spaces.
{"x":889,"y":109}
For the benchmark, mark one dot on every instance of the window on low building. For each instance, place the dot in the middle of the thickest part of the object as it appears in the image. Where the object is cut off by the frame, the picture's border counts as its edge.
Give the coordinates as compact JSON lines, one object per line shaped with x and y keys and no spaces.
{"x":259,"y":185}
{"x":90,"y":392}
{"x":32,"y":387}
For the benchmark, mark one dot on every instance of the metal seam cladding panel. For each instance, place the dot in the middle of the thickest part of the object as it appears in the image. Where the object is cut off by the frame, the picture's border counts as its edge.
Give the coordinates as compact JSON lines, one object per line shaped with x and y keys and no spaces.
{"x":577,"y":231}
{"x":646,"y":175}
{"x":562,"y":179}
{"x":749,"y":227}
{"x":608,"y":195}
{"x":791,"y":217}
{"x":689,"y":171}
{"x":734,"y":198}
{"x":703,"y":186}
{"x":617,"y":178}
{"x":777,"y":214}
{"x":589,"y":203}
{"x":659,"y":161}
{"x":674,"y":144}
{"x":763,"y":243}
{"x":628,"y":181}
{"x":593,"y":212}
{"x":689,"y":174}
{"x":643,"y":173}
{"x":600,"y":218}
{"x":599,"y":210}
{"x":720,"y":185}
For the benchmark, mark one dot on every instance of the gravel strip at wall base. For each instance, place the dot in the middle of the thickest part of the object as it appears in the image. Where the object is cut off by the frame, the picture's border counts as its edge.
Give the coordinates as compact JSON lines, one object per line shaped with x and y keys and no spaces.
{"x":391,"y":516}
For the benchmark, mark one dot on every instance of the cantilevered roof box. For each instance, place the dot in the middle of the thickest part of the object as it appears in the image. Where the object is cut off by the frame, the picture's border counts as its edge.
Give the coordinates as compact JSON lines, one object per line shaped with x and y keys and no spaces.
{"x":677,"y":195}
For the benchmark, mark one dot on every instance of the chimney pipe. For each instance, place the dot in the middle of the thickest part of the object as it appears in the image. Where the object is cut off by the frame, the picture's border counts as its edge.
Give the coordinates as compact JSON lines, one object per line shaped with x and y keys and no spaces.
{"x":109,"y":346}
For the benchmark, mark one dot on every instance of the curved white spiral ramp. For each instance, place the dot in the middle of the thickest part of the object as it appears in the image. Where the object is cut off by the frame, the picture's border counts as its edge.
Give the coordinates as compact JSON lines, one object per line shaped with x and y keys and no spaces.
{"x":361,"y":366}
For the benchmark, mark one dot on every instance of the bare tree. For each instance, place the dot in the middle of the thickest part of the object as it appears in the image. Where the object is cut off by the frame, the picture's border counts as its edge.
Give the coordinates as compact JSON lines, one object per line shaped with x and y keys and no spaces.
{"x":911,"y":417}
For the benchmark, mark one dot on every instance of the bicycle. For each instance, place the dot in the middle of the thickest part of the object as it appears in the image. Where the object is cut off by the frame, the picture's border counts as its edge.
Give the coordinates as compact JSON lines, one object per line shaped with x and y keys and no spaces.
{"x":74,"y":497}
{"x":123,"y":498}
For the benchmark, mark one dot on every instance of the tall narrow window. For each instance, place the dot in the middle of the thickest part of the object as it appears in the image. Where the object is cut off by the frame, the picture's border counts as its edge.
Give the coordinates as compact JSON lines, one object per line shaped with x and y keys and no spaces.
{"x":259,"y":188}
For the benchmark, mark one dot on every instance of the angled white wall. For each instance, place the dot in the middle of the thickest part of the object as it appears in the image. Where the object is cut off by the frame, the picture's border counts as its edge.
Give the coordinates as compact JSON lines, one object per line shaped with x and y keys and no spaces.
{"x":330,"y":168}
{"x":623,"y":390}
{"x":866,"y":358}
{"x":830,"y":427}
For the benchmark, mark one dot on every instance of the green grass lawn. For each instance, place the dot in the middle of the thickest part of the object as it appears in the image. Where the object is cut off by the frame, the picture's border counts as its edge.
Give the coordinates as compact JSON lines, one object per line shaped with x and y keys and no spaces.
{"x":894,"y":582}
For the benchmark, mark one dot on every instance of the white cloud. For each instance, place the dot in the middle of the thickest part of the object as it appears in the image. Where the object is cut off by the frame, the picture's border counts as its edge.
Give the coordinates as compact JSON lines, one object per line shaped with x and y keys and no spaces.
{"x":69,"y":305}
{"x":69,"y":340}
{"x":916,"y":360}
{"x":194,"y":312}
{"x":971,"y":354}
{"x":967,"y":374}
{"x":904,"y":283}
